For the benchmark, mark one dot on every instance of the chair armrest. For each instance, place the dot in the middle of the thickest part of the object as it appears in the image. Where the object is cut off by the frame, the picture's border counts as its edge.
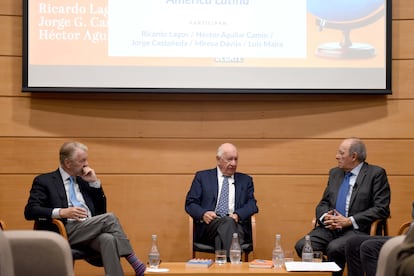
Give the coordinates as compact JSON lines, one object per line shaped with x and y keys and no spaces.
{"x":61,"y":228}
{"x":253,"y":218}
{"x":379,"y":227}
{"x":404,"y":228}
{"x":2,"y":225}
{"x":190,"y":236}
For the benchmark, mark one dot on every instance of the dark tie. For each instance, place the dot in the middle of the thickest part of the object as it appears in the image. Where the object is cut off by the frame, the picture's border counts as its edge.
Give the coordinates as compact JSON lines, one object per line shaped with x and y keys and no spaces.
{"x":72,"y":194}
{"x":223,"y":204}
{"x":343,"y":192}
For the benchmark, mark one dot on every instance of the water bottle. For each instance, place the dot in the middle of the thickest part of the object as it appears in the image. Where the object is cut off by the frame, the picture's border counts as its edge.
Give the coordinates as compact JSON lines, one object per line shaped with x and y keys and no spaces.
{"x":278,"y":257}
{"x":235,"y":250}
{"x":307,"y":251}
{"x":154,"y":254}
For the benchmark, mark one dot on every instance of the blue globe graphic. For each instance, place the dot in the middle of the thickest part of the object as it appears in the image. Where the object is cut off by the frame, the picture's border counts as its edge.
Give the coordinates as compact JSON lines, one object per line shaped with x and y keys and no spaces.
{"x":345,"y":15}
{"x":343,"y":10}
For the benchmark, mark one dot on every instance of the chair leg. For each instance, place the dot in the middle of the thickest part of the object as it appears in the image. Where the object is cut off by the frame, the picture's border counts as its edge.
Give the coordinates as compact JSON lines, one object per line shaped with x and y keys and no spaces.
{"x":246,"y":257}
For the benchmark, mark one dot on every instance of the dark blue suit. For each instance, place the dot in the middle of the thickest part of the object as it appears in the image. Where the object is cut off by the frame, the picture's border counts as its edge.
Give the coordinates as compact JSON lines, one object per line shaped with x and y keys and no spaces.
{"x":203,"y":195}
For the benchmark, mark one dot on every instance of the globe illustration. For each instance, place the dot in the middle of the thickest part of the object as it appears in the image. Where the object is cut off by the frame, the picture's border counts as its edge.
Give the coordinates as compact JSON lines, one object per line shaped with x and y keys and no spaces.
{"x":345,"y":15}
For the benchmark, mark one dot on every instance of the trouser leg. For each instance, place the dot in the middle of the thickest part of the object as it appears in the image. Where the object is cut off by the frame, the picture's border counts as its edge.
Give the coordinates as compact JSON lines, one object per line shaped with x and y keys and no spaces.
{"x":88,"y":230}
{"x":106,"y":245}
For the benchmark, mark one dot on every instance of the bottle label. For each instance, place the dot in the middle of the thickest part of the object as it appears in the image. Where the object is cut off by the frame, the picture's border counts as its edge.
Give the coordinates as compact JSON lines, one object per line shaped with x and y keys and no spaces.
{"x":307,"y":257}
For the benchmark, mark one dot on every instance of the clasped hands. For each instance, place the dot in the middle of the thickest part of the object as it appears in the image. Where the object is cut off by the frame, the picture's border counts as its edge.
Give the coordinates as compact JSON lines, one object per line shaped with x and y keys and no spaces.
{"x":334,"y":220}
{"x":209,"y":216}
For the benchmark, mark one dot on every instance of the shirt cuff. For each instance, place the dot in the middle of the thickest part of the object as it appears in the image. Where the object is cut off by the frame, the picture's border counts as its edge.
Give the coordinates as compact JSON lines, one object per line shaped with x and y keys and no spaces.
{"x":96,"y":184}
{"x":354,"y":224}
{"x":55,"y":213}
{"x":321,"y":218}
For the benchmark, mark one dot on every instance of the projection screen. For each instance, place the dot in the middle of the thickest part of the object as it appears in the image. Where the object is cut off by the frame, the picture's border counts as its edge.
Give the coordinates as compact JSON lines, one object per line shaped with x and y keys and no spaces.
{"x":207,"y":46}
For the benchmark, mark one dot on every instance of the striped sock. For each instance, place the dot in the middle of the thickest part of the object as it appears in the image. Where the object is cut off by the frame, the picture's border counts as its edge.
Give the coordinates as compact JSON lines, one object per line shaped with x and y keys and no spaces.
{"x":137,"y":265}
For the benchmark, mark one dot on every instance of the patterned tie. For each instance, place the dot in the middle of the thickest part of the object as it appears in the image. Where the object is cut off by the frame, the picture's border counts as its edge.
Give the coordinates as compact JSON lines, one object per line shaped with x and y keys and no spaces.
{"x":223,"y":204}
{"x":72,"y":194}
{"x":343,"y":192}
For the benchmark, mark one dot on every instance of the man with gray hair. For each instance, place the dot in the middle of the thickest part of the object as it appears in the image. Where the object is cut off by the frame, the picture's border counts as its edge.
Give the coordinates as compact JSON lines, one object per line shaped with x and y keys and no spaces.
{"x":221,"y":201}
{"x":73,"y":193}
{"x":356,"y":195}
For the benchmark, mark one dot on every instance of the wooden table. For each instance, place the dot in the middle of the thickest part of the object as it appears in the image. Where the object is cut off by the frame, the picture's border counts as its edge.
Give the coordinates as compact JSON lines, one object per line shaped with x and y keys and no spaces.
{"x":179,"y":269}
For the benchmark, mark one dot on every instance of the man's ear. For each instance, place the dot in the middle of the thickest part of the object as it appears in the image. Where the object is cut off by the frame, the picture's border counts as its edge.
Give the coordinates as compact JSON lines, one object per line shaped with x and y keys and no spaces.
{"x":66,"y":162}
{"x":354,"y":156}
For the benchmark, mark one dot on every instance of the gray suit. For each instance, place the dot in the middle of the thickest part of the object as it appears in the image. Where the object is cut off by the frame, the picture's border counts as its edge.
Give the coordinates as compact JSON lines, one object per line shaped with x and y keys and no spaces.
{"x":101,"y":232}
{"x":369,"y":201}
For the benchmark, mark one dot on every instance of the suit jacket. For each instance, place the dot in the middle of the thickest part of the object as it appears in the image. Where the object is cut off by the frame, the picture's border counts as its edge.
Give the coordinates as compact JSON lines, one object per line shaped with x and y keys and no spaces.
{"x":203,"y":196}
{"x":370,"y":197}
{"x":48,"y":192}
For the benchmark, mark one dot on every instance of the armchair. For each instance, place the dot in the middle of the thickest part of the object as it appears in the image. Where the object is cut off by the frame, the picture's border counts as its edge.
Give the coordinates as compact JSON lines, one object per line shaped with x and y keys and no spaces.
{"x":6,"y":258}
{"x":78,"y":252}
{"x":199,"y":247}
{"x":38,"y":253}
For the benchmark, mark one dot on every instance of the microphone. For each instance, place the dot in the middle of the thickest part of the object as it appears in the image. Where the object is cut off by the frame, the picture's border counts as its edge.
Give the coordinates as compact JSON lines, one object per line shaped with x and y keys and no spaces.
{"x":355,"y":187}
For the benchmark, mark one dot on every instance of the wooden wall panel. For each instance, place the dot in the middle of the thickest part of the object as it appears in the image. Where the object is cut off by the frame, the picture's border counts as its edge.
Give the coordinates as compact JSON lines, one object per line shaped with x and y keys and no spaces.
{"x":365,"y":116}
{"x":402,"y":79}
{"x":11,"y":7}
{"x":403,"y":40}
{"x":402,"y":9}
{"x":176,"y":156}
{"x":11,"y":35}
{"x":11,"y":76}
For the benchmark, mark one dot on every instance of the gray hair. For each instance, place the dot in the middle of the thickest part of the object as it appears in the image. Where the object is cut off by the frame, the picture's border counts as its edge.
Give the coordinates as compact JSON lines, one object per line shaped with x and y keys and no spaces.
{"x":222,"y":149}
{"x":67,"y":150}
{"x":358,"y":147}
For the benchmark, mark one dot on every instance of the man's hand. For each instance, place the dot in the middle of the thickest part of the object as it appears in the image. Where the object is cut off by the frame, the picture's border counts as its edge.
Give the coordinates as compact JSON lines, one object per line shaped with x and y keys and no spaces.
{"x":77,"y":213}
{"x":235,"y":217}
{"x":335,"y":220}
{"x":209,"y":216}
{"x":88,"y":174}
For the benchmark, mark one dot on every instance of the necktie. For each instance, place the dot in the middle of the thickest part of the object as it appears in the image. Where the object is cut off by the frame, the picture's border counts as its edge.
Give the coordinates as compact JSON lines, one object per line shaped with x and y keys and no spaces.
{"x":223,"y":204}
{"x":342,"y":194}
{"x":72,"y":194}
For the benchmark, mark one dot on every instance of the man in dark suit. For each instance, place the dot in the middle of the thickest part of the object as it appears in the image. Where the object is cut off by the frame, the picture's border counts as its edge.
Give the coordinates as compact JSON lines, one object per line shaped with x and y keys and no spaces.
{"x":73,"y":193}
{"x":362,"y":253}
{"x":344,"y":213}
{"x":213,"y":225}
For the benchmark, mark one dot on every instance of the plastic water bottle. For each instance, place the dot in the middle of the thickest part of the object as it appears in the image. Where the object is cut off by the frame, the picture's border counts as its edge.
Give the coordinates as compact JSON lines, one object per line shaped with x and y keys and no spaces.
{"x":278,"y":257}
{"x":154,"y":254}
{"x":307,"y":251}
{"x":235,"y":250}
